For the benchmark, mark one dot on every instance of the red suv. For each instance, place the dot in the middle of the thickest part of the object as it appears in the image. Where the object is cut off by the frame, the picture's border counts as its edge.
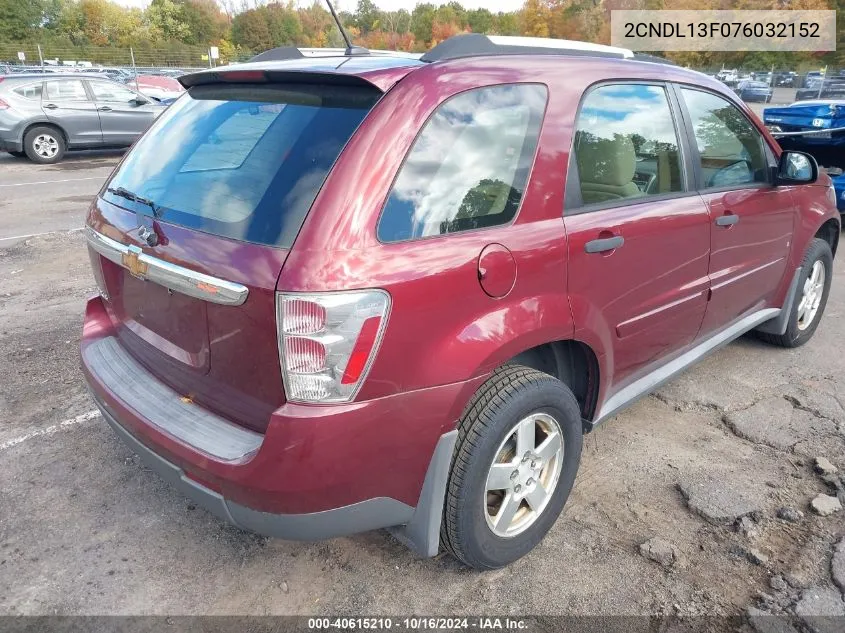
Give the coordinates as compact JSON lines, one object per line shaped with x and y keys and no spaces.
{"x":371,"y":291}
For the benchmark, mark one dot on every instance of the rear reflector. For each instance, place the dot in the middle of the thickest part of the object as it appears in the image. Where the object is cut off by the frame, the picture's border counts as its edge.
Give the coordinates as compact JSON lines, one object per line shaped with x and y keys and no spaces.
{"x":327,"y":342}
{"x":361,"y":351}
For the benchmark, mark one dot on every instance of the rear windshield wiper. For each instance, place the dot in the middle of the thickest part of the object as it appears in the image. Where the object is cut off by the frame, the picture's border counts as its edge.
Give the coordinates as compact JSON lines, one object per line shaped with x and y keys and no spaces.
{"x":125,"y":193}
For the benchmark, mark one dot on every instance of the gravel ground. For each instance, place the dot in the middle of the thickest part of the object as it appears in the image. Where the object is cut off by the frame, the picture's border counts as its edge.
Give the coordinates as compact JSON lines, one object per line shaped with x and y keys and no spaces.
{"x":713,"y":475}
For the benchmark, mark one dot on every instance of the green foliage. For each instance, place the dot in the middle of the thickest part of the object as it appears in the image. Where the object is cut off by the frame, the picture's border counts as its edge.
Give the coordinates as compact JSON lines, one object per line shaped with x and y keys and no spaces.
{"x":19,"y":17}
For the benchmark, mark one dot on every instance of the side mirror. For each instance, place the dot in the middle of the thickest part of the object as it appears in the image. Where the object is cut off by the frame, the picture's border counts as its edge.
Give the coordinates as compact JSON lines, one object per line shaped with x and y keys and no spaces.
{"x":796,"y":168}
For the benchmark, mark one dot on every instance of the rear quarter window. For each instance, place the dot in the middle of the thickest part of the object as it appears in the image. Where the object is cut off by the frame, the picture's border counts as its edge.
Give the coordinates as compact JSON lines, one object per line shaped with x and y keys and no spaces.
{"x":469,"y":166}
{"x":32,"y":91}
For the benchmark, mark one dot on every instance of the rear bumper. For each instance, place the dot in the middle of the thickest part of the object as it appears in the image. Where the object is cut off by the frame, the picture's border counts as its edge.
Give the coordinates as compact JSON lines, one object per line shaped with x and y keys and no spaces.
{"x":366,"y":515}
{"x":10,"y":145}
{"x":318,"y":471}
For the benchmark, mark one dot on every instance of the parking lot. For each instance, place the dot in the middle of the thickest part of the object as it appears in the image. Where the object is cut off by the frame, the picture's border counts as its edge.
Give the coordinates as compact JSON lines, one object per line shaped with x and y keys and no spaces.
{"x":86,"y":529}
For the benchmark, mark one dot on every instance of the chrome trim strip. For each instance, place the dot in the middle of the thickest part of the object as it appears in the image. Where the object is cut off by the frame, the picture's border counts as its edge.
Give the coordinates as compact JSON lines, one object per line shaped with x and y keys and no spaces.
{"x":654,"y":379}
{"x":178,"y":278}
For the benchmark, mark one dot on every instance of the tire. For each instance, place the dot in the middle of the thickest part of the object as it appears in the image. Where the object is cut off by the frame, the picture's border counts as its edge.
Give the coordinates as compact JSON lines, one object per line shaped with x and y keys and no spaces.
{"x":514,"y":395}
{"x":44,"y":144}
{"x":17,"y":154}
{"x":801,"y":327}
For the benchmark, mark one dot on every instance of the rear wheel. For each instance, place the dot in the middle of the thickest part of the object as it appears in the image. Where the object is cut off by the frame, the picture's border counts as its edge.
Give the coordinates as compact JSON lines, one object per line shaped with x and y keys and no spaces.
{"x":44,"y":145}
{"x":811,"y":298}
{"x":518,"y":451}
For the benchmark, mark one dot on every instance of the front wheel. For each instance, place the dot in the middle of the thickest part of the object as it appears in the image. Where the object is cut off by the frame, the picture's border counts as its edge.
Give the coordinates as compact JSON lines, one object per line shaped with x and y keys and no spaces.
{"x":518,"y":451}
{"x":811,"y":298}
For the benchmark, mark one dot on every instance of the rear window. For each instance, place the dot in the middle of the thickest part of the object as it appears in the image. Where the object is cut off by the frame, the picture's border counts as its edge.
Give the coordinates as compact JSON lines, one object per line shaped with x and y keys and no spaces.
{"x":243,"y":162}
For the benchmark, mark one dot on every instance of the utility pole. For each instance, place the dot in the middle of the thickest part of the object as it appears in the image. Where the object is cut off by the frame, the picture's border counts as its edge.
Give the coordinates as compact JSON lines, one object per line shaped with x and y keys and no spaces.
{"x":134,"y":70}
{"x":40,"y":56}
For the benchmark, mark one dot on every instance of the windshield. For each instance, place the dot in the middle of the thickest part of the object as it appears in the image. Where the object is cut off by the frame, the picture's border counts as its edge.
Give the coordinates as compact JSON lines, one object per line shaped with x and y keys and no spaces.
{"x":243,"y":162}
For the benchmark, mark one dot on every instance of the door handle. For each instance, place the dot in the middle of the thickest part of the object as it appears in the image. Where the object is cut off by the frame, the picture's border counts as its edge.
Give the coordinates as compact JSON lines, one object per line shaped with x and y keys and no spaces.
{"x":104,"y":109}
{"x":51,"y":106}
{"x":727,"y":220}
{"x":603,"y":245}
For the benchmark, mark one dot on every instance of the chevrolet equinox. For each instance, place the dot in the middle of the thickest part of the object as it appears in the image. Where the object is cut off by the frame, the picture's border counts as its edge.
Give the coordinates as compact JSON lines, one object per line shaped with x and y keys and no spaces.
{"x":367,"y":291}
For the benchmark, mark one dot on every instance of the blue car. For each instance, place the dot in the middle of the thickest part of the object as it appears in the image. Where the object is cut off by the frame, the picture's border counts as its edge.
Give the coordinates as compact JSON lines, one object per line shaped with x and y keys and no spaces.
{"x":839,"y":187}
{"x":754,"y":91}
{"x":815,"y":116}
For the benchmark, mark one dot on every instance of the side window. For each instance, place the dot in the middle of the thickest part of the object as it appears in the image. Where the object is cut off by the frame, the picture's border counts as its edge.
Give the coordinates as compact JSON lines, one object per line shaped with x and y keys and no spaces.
{"x":114,"y":93}
{"x":32,"y":91}
{"x":469,"y":166}
{"x":730,"y":147}
{"x":66,"y":90}
{"x":626,"y":145}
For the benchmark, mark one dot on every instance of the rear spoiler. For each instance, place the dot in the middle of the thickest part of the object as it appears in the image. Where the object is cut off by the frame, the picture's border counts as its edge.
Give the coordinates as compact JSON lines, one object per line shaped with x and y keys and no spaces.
{"x":240,"y":74}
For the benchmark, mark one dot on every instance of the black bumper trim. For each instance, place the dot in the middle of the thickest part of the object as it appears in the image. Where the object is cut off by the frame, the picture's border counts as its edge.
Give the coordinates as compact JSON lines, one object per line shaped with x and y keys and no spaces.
{"x":370,"y":514}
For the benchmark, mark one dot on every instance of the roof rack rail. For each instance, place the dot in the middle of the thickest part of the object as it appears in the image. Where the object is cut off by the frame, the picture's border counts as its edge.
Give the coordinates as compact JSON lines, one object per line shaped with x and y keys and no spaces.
{"x":278,"y":54}
{"x":476,"y":44}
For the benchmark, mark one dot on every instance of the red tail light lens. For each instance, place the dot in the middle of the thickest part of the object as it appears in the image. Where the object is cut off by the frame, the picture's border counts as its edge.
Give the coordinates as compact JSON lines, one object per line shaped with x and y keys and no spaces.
{"x":328,"y":341}
{"x":361,"y":352}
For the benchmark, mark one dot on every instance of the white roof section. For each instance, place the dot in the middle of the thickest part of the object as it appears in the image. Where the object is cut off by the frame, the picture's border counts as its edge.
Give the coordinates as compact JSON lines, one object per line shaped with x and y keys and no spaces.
{"x":571,"y":45}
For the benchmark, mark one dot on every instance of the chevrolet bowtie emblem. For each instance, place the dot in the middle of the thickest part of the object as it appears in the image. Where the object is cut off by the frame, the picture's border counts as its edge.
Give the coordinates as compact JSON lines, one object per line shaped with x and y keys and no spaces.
{"x":132,"y":262}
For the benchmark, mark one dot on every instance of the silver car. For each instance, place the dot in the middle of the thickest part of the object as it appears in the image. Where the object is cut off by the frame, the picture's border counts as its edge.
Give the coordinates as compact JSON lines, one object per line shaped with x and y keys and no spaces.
{"x":42,"y":116}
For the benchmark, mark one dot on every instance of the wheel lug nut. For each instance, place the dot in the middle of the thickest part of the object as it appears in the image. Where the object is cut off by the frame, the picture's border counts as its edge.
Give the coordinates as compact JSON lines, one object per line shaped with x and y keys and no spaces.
{"x":530,"y":482}
{"x":534,"y":464}
{"x":517,"y":488}
{"x":515,"y":474}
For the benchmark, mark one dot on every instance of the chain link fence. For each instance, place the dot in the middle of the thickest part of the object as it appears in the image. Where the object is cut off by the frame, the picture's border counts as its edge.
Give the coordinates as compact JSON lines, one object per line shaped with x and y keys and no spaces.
{"x":178,"y":56}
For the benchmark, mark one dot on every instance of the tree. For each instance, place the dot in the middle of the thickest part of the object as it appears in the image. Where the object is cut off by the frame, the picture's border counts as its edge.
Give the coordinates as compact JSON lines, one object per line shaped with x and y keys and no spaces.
{"x":166,"y":16}
{"x":422,"y":19}
{"x":479,"y":21}
{"x":205,"y":21}
{"x":18,"y":18}
{"x":367,"y":16}
{"x":250,"y":30}
{"x":283,"y":23}
{"x":535,"y":18}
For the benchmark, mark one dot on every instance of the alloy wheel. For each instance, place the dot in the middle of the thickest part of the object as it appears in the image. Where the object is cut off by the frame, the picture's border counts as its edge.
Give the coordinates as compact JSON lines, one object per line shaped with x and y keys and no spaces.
{"x":524,"y":474}
{"x":45,"y":146}
{"x":812,"y":295}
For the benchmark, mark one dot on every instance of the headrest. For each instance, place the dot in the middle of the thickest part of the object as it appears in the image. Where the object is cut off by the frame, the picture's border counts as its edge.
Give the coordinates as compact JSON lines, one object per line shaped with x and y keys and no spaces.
{"x":605,"y":161}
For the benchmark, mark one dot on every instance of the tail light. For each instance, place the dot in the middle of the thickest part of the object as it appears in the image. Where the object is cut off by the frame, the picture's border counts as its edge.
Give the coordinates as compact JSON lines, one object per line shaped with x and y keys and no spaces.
{"x":4,"y":105}
{"x":328,"y":341}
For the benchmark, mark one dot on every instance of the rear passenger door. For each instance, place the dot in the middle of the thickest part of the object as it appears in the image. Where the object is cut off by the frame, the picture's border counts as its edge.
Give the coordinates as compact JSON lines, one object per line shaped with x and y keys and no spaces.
{"x":123,"y":118}
{"x":66,"y":103}
{"x":751,"y":220}
{"x":639,"y":235}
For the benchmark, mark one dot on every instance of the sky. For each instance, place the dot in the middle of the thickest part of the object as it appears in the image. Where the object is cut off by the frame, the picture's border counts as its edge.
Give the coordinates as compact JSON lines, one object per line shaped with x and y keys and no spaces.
{"x":389,"y":5}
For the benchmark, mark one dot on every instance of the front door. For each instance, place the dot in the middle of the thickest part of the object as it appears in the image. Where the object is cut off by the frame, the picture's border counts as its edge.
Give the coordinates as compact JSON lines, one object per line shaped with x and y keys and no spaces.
{"x":751,"y":221}
{"x":639,"y":236}
{"x":65,"y":103}
{"x":123,"y":117}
